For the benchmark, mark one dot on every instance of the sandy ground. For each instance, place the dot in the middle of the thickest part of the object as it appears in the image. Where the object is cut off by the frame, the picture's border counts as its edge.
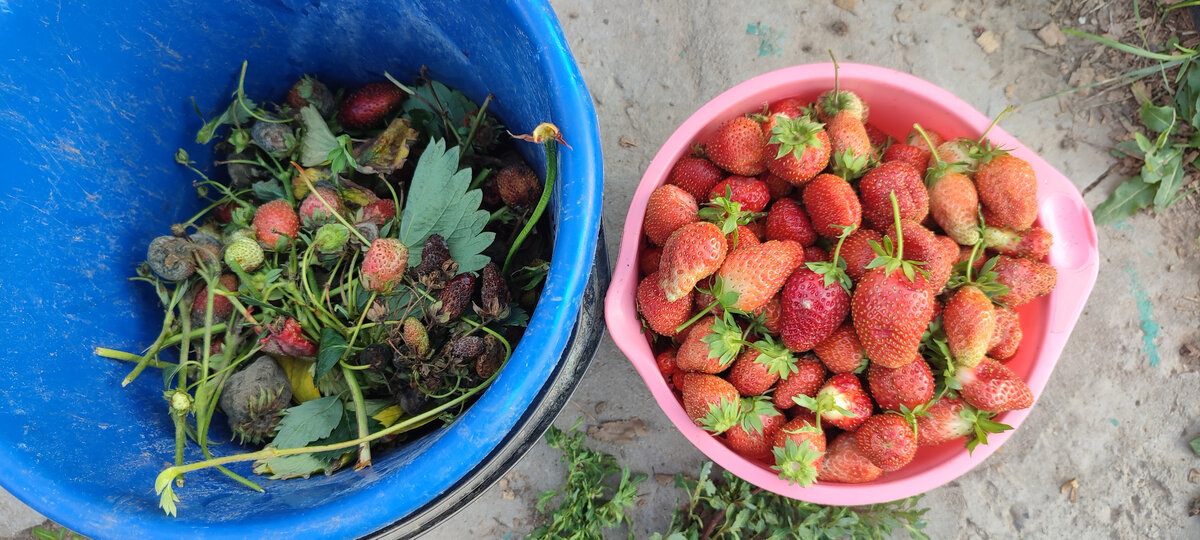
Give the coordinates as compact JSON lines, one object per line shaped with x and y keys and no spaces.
{"x":1121,"y":405}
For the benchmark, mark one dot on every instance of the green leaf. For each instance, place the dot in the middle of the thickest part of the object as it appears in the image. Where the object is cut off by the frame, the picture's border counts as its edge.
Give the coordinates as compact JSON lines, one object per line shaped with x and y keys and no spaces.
{"x":233,"y":114}
{"x":268,"y":190}
{"x":317,"y":141}
{"x":439,"y":201}
{"x":1131,"y":196}
{"x":1157,"y":119}
{"x":1195,"y":444}
{"x":434,"y":105}
{"x":1171,"y":178}
{"x":294,"y":466}
{"x":307,"y":422}
{"x":333,"y":346}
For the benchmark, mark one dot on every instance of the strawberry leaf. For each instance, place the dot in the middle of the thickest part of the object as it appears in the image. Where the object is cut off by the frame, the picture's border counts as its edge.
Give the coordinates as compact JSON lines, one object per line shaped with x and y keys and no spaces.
{"x":333,"y":346}
{"x":307,"y":422}
{"x":293,"y":466}
{"x":440,"y":201}
{"x":318,"y":141}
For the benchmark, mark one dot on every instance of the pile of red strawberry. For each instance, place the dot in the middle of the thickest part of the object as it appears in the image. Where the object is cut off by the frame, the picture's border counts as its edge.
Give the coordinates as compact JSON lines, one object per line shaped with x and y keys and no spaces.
{"x":827,"y":300}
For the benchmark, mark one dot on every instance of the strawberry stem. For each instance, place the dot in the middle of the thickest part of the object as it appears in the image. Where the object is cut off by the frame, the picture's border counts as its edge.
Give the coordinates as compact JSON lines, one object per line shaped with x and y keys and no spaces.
{"x":995,"y":121}
{"x":308,"y":183}
{"x":551,"y":146}
{"x":896,"y":220}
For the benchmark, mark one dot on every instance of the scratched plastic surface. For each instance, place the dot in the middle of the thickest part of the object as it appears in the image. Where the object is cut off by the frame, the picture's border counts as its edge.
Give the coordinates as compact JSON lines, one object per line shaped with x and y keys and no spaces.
{"x":896,"y":100}
{"x":94,"y":100}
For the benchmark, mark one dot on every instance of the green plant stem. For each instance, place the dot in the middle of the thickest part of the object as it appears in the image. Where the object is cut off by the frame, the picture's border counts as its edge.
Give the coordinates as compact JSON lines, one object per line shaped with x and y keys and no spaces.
{"x":360,"y":415}
{"x":551,"y":147}
{"x":161,"y":341}
{"x":475,"y":124}
{"x":308,"y":183}
{"x":896,"y":220}
{"x":114,"y":354}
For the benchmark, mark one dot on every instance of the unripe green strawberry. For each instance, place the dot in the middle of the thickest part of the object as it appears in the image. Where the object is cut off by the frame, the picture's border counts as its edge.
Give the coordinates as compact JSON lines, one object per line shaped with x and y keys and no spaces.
{"x":384,"y":265}
{"x":416,"y":337}
{"x":331,"y":238}
{"x":244,"y":252}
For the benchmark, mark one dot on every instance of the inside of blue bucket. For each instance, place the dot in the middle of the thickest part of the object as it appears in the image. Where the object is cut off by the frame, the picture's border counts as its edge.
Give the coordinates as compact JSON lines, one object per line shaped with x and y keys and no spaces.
{"x":94,"y":100}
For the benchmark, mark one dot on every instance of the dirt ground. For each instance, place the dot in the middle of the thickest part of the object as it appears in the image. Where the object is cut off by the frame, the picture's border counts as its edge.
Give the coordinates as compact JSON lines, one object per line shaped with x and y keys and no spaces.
{"x":1121,"y":406}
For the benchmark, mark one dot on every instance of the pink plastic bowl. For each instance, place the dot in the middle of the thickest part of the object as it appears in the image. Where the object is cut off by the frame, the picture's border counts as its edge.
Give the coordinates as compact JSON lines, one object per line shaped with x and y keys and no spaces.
{"x":897,"y":101}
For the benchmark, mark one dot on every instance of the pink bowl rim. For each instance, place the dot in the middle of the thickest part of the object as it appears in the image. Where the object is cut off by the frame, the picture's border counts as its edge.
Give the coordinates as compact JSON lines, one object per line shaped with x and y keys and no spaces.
{"x":1077,"y":276}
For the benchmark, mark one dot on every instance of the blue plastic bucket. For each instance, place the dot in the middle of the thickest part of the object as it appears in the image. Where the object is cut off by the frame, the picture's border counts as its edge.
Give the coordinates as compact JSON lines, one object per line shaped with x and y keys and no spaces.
{"x":94,"y":100}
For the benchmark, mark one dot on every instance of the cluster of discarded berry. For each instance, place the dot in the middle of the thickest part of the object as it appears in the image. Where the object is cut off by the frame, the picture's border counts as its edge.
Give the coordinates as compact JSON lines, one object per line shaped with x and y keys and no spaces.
{"x":364,"y":270}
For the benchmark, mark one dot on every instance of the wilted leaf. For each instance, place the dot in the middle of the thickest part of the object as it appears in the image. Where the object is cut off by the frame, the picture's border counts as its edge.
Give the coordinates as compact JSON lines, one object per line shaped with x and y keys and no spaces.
{"x":388,"y":151}
{"x":318,"y":141}
{"x":300,"y":375}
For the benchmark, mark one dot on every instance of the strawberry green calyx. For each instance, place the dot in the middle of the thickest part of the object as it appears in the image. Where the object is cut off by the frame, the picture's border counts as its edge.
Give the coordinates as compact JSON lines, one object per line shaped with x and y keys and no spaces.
{"x":825,"y":402}
{"x":779,"y":359}
{"x":727,"y":213}
{"x":752,"y":411}
{"x":850,"y":166}
{"x":722,"y":416}
{"x":795,"y":462}
{"x":726,"y":340}
{"x":794,"y":135}
{"x":835,"y":268}
{"x":892,"y":258}
{"x":982,"y":424}
{"x":940,"y":167}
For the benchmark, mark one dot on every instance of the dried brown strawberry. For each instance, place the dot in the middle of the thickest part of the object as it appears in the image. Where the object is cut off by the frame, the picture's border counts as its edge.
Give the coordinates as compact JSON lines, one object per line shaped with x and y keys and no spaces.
{"x":456,"y":297}
{"x":493,"y":294}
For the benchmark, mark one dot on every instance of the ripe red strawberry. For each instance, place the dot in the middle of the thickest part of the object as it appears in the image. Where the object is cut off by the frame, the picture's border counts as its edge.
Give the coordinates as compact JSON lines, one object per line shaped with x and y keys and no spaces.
{"x":666,"y":364}
{"x":799,"y":450}
{"x":750,"y":377}
{"x":890,"y":312}
{"x":832,"y":204}
{"x":788,"y":221}
{"x":841,"y":352}
{"x":668,"y":209}
{"x":286,"y":338}
{"x":841,"y":401}
{"x":893,"y":176}
{"x":754,"y":436}
{"x":909,"y":154}
{"x":1032,"y":243}
{"x":321,"y":205}
{"x":909,"y":385}
{"x":858,"y":253}
{"x":852,"y":151}
{"x":759,"y":227}
{"x":815,"y":254}
{"x":1025,"y":279}
{"x":797,"y":149}
{"x":739,"y":147}
{"x":222,"y":307}
{"x":703,"y":392}
{"x":778,"y":187}
{"x":878,"y":138}
{"x":695,"y":175}
{"x":370,"y":105}
{"x":993,"y":387}
{"x":772,"y":314}
{"x":954,"y":205}
{"x":970,"y":322}
{"x":379,"y":212}
{"x":693,"y":252}
{"x":648,"y":260}
{"x":757,"y":272}
{"x":812,"y":309}
{"x":1007,"y":336}
{"x":887,"y":440}
{"x":846,"y":464}
{"x":694,"y":354}
{"x":662,"y":315}
{"x":518,"y":186}
{"x":943,"y":422}
{"x":276,"y":224}
{"x":1008,"y":192}
{"x":805,"y":381}
{"x":384,"y":264}
{"x":748,"y":191}
{"x":791,"y":107}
